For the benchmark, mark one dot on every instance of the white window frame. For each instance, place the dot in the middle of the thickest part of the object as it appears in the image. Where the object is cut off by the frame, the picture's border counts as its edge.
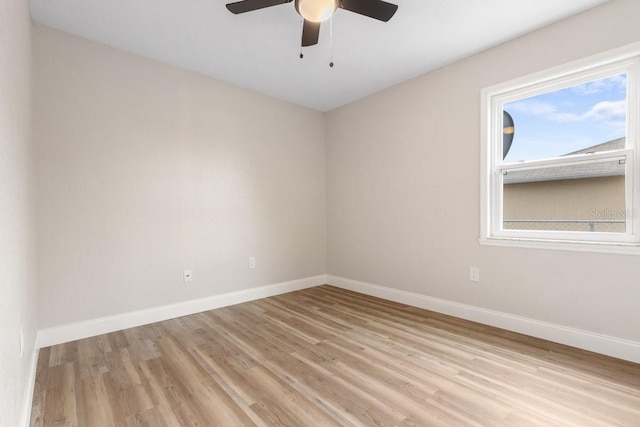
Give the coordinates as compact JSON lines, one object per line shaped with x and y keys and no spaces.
{"x":622,"y":60}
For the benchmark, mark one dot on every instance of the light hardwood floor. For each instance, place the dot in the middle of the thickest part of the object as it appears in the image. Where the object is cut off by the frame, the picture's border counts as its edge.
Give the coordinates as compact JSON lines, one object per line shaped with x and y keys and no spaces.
{"x":328,"y":357}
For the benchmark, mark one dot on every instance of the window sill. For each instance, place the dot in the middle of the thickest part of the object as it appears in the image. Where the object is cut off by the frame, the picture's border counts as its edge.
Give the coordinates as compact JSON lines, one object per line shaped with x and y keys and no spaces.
{"x":576,"y":246}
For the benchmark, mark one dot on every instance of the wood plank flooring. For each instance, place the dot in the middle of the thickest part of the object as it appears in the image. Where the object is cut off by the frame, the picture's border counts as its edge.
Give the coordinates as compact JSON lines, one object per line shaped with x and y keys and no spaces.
{"x":328,"y":357}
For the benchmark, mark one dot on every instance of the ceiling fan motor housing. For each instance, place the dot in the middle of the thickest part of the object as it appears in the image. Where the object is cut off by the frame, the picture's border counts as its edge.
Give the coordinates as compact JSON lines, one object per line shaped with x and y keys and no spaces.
{"x":316,"y":10}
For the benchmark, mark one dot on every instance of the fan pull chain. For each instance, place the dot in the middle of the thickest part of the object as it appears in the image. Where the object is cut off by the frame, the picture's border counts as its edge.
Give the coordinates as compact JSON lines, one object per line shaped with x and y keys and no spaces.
{"x":301,"y":34}
{"x":331,"y":41}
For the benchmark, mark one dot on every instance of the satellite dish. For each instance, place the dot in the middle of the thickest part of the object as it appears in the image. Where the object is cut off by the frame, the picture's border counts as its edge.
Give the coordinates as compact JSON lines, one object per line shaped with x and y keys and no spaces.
{"x":508,"y":130}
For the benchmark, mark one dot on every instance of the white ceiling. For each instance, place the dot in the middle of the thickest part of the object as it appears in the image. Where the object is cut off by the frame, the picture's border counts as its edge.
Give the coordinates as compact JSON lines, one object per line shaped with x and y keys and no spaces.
{"x":260,"y":50}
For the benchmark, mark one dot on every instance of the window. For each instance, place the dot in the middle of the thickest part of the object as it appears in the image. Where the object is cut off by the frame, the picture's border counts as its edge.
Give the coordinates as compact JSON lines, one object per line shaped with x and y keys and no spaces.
{"x":560,"y":163}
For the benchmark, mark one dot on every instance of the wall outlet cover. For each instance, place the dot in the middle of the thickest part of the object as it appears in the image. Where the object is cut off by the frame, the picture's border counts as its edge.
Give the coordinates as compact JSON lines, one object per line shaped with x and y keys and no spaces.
{"x":187,"y":276}
{"x":474,"y":274}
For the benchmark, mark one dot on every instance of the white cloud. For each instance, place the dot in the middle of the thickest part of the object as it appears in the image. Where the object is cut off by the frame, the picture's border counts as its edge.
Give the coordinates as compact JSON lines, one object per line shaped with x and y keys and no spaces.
{"x":603,"y":85}
{"x":602,"y":111}
{"x":608,"y":110}
{"x":533,"y":108}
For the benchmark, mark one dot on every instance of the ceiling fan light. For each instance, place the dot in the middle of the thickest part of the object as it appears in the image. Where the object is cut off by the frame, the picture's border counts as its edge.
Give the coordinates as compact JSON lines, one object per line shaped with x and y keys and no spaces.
{"x":317,"y":10}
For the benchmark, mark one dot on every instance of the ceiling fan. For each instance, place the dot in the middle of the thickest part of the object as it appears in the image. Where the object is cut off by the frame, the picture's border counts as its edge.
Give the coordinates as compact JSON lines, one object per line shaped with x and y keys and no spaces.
{"x":314,"y":12}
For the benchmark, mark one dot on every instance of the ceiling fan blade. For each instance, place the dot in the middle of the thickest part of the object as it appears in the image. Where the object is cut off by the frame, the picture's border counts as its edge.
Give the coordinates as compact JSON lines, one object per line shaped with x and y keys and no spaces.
{"x":310,"y":33}
{"x":249,"y":5}
{"x":376,"y":9}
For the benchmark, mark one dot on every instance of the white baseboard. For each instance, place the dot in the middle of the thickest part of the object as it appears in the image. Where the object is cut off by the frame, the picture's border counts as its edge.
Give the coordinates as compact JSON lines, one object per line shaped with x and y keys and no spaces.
{"x":30,"y":385}
{"x":103,"y":325}
{"x":603,"y":344}
{"x":611,"y":346}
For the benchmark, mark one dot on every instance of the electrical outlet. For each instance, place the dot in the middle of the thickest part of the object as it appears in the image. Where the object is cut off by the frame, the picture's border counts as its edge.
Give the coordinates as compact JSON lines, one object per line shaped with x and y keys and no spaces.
{"x":187,"y":276}
{"x":474,"y":274}
{"x":252,"y":262}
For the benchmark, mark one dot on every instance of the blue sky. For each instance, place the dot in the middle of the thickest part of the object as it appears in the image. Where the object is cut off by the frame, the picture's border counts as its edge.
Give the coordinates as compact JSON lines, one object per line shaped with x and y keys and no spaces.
{"x":566,"y":120}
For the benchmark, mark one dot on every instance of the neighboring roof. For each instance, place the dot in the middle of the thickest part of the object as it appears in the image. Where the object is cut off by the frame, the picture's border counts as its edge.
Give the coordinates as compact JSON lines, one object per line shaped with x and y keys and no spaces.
{"x":575,"y":171}
{"x":614,"y":144}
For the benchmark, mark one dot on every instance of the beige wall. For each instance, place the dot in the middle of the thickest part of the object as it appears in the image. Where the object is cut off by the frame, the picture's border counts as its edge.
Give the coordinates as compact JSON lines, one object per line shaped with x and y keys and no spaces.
{"x":17,"y":255}
{"x":598,"y":198}
{"x":144,"y":170}
{"x":403,"y":193}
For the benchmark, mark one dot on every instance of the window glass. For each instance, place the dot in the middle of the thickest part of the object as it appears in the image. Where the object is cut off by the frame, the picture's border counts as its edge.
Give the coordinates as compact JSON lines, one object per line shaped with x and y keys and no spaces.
{"x":565,"y":124}
{"x":585,"y":197}
{"x":575,"y":119}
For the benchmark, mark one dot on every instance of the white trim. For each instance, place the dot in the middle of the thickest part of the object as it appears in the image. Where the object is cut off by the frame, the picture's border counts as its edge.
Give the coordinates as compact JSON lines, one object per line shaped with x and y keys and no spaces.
{"x":574,"y":159}
{"x":103,"y":325}
{"x":587,"y":64}
{"x":25,"y":418}
{"x":625,"y":59}
{"x":575,"y":246}
{"x":603,"y":344}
